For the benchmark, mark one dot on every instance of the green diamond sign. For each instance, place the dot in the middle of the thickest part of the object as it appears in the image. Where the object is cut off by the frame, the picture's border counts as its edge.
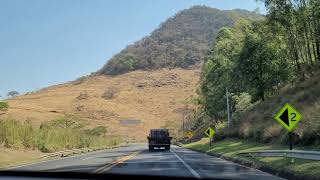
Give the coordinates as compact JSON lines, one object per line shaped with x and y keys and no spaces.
{"x":209,"y":132}
{"x":288,"y":117}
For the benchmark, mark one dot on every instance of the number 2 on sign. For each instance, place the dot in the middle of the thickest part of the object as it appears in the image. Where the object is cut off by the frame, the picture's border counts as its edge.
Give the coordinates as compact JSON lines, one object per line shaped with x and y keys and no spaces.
{"x":293,"y":116}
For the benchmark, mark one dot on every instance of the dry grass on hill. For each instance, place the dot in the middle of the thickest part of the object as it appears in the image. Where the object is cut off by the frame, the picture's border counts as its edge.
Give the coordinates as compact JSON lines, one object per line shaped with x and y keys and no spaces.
{"x":304,"y":96}
{"x":149,"y":96}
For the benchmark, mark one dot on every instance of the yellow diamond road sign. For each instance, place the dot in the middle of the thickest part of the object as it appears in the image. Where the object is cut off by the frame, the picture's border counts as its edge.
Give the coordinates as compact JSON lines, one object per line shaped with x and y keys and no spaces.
{"x":209,"y":132}
{"x":189,"y":134}
{"x":288,"y":117}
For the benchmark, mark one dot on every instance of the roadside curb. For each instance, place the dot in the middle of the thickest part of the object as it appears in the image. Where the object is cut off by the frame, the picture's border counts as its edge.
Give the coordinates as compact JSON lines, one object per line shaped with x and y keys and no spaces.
{"x":261,"y":167}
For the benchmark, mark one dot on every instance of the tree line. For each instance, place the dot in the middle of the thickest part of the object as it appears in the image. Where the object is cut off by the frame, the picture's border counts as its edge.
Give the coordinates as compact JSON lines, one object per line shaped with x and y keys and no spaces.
{"x":297,"y":22}
{"x":256,"y":58}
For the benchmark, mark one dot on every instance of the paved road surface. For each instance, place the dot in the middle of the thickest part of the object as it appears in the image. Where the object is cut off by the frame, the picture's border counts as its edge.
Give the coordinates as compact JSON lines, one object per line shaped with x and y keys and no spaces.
{"x":136,"y":159}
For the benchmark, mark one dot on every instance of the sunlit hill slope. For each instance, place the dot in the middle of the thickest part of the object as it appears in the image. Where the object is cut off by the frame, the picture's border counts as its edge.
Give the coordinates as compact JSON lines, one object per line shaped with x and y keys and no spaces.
{"x":149,"y":96}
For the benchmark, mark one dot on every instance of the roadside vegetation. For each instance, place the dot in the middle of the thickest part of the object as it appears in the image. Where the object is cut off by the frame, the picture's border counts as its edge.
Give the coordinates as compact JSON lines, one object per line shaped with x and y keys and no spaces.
{"x":230,"y":149}
{"x":264,"y":64}
{"x":4,"y":106}
{"x":59,"y":134}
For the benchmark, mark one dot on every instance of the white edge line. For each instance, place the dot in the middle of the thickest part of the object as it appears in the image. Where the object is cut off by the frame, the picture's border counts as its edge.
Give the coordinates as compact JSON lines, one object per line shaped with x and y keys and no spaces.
{"x":193,"y":172}
{"x":248,"y":167}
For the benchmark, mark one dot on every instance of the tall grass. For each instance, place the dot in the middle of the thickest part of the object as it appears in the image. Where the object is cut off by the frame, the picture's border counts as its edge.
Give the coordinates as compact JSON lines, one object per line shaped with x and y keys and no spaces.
{"x":15,"y":134}
{"x":49,"y":137}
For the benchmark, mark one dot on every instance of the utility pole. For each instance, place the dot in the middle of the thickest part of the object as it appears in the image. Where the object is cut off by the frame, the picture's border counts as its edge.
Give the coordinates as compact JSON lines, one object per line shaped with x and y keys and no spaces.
{"x":183,"y":125}
{"x":184,"y":112}
{"x":228,"y":108}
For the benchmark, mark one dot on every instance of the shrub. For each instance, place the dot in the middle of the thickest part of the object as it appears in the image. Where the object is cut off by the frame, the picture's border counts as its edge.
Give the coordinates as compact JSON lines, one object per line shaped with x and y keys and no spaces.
{"x":109,"y":93}
{"x":121,"y":64}
{"x":310,"y":134}
{"x":97,"y":131}
{"x":83,"y":95}
{"x":256,"y":131}
{"x":80,"y":80}
{"x":67,"y":122}
{"x":243,"y":102}
{"x":3,"y":106}
{"x":271,"y":133}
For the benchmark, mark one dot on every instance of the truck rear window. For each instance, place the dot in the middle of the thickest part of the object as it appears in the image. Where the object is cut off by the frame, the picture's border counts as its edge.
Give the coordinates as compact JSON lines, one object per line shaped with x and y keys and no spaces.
{"x":158,"y":133}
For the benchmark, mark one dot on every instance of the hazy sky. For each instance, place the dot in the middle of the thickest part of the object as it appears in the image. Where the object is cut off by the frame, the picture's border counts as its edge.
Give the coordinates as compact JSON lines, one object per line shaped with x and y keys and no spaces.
{"x":47,"y":42}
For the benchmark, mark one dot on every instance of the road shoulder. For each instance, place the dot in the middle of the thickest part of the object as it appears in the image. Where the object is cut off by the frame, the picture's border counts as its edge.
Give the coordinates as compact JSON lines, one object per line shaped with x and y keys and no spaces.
{"x":279,"y":166}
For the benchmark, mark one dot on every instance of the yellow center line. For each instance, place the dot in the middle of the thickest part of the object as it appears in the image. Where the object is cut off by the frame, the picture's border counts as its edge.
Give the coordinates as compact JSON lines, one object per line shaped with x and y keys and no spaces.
{"x":115,"y":163}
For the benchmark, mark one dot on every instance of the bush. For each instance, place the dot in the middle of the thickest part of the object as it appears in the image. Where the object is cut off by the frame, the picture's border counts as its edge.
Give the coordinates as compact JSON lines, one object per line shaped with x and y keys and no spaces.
{"x":80,"y":80}
{"x":109,"y":93}
{"x":83,"y":95}
{"x":271,"y":132}
{"x":3,"y":106}
{"x":310,"y":134}
{"x":243,"y":102}
{"x":121,"y":63}
{"x":97,"y":131}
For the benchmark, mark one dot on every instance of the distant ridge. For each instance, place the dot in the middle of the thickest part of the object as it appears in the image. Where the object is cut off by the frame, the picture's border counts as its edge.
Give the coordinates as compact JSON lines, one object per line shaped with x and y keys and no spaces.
{"x":181,"y":41}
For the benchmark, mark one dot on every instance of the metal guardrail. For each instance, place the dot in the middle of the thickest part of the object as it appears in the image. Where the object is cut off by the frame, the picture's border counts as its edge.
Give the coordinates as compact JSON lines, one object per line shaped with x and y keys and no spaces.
{"x":299,"y":154}
{"x":66,"y":153}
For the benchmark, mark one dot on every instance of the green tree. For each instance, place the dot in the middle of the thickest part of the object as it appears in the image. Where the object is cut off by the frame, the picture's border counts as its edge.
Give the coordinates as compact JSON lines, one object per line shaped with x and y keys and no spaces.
{"x":262,"y":64}
{"x":298,"y":21}
{"x":217,"y":72}
{"x":66,"y":122}
{"x":13,"y":93}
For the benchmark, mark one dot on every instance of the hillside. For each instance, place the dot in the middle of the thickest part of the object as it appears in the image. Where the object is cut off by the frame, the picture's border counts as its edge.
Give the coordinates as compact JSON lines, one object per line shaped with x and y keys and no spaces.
{"x":258,"y":123}
{"x":151,"y":97}
{"x":180,"y":41}
{"x":173,"y":52}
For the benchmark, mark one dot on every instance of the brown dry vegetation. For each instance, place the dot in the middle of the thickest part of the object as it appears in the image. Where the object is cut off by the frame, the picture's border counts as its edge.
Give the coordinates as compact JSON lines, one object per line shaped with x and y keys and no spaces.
{"x":150,"y":96}
{"x":258,"y":122}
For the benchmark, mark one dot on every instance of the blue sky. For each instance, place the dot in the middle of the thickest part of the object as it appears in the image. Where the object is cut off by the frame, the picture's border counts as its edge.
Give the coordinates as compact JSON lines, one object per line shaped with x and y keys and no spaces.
{"x":47,"y":42}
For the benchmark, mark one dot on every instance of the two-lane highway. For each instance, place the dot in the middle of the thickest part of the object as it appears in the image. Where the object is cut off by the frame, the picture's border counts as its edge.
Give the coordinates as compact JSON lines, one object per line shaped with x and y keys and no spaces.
{"x":137,"y":160}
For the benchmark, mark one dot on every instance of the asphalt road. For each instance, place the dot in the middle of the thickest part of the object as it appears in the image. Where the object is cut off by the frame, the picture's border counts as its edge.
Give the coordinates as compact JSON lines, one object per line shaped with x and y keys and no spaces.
{"x":136,"y":159}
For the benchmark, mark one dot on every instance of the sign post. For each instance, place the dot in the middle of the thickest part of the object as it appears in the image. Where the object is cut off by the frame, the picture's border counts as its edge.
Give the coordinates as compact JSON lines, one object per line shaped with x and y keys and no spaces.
{"x":209,"y":133}
{"x":288,"y":117}
{"x":290,"y":141}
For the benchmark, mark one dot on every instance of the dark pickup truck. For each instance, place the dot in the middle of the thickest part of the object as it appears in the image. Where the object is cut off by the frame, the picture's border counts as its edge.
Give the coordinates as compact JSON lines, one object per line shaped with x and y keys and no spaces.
{"x":159,"y":138}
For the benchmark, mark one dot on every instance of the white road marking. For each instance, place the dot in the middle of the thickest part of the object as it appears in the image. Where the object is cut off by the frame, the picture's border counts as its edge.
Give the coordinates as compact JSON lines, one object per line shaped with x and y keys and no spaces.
{"x":193,"y":172}
{"x":230,"y":162}
{"x":88,"y":158}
